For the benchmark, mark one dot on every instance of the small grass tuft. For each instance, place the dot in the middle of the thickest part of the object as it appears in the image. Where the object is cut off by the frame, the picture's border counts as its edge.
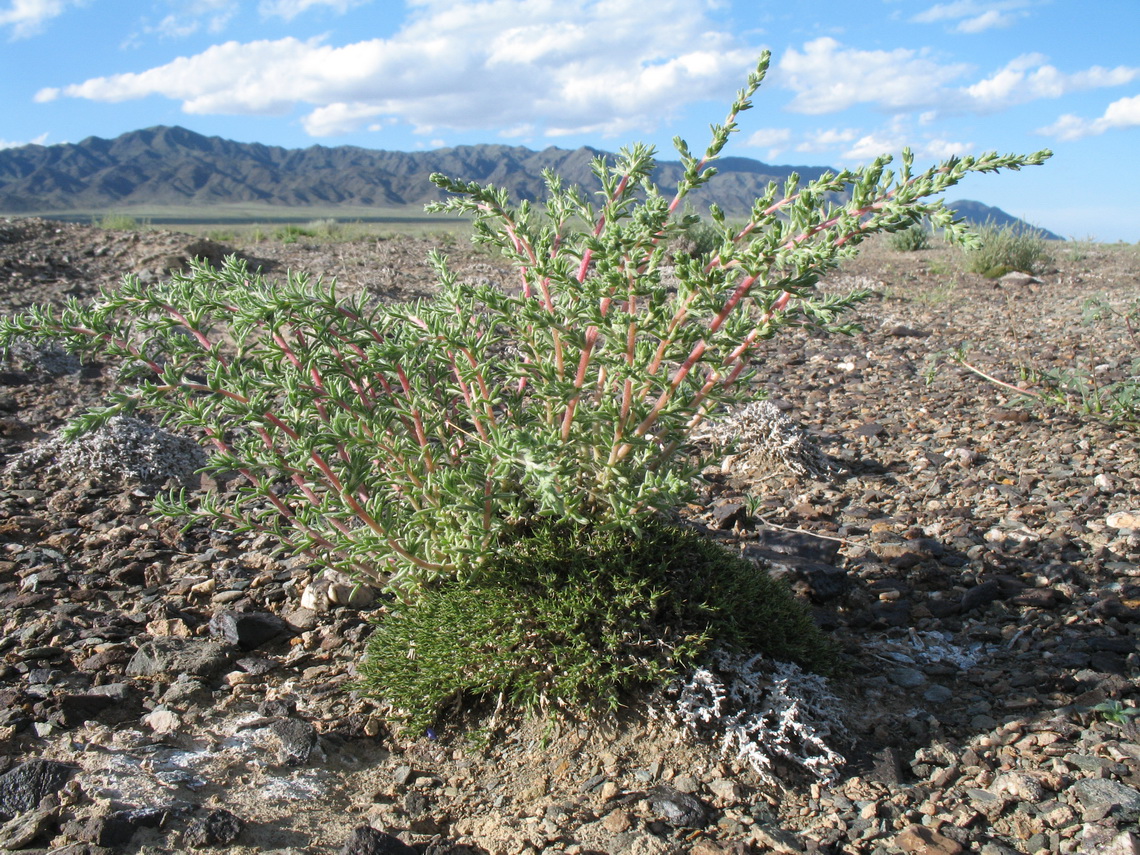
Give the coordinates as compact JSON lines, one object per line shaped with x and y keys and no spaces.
{"x":117,"y":223}
{"x":913,"y":238}
{"x":569,"y":620}
{"x":1001,"y":250}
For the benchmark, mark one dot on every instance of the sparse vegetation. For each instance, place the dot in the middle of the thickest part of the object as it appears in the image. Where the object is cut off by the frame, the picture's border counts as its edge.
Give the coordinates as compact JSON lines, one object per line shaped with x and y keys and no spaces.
{"x":913,"y":238}
{"x":1000,"y":250}
{"x":1088,"y":387}
{"x":118,"y":223}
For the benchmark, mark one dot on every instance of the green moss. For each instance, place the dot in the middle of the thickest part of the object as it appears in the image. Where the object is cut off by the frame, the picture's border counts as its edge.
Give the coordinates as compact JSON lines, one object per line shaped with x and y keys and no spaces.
{"x":571,"y":620}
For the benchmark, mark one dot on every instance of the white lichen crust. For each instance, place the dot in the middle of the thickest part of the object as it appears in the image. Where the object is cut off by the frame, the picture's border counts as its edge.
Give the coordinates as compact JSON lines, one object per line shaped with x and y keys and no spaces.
{"x":764,"y":712}
{"x":126,"y":449}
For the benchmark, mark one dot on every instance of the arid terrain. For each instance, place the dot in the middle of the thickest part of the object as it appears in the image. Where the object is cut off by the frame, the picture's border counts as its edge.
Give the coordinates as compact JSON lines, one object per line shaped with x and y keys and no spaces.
{"x":974,"y":553}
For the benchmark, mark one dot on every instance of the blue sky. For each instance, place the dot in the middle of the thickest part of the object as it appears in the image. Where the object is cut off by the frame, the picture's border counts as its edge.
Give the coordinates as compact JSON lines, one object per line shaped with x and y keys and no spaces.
{"x":848,"y":80}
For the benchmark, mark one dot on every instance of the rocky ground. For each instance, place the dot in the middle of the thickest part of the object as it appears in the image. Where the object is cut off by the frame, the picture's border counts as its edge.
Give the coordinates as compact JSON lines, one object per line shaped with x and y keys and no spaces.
{"x":975,"y":557}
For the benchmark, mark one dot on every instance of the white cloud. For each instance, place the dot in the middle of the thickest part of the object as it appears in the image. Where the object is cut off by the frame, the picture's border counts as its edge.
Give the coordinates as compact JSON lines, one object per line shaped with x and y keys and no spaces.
{"x":620,"y":65}
{"x":1123,"y":113}
{"x":1029,"y":77}
{"x":27,"y":17}
{"x":986,"y":21}
{"x":290,"y":9}
{"x":974,"y":16}
{"x":774,"y":139}
{"x":339,"y":118}
{"x":826,"y":140}
{"x":828,"y":77}
{"x":769,"y":137}
{"x":40,"y":140}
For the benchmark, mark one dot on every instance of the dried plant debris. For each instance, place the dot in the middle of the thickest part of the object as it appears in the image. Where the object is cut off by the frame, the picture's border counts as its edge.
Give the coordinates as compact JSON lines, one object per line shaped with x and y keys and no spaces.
{"x":772,"y":714}
{"x":766,"y":437}
{"x":126,"y":448}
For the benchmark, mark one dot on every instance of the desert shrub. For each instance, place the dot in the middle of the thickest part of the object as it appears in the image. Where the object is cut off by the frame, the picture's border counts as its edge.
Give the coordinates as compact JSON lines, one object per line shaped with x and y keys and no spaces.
{"x":1000,"y":250}
{"x":571,"y":618}
{"x":117,"y":222}
{"x":418,"y":446}
{"x":290,"y":232}
{"x":913,"y":238}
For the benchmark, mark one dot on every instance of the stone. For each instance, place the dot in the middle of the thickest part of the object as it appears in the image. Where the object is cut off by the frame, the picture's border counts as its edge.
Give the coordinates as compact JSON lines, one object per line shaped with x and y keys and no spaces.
{"x":197,"y":657}
{"x":115,"y":828}
{"x":938,"y":694}
{"x":1020,"y":786}
{"x":1125,"y":843}
{"x":778,"y":840}
{"x":74,"y":710}
{"x":22,"y":788}
{"x":366,"y":840}
{"x":24,"y":830}
{"x":907,"y":678}
{"x":216,"y":827}
{"x":248,"y":630}
{"x":1101,"y":796}
{"x":980,"y":596}
{"x":888,"y":768}
{"x":680,"y":810}
{"x":920,"y":840}
{"x":1017,"y":279}
{"x":1127,"y":520}
{"x":297,"y":739}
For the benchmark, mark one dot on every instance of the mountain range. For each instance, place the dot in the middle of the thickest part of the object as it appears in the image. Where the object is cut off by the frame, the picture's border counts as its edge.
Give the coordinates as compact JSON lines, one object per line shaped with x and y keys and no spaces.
{"x":163,"y":166}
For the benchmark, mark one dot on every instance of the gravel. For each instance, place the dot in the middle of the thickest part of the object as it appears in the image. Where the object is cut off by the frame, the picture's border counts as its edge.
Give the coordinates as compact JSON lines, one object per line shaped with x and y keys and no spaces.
{"x":975,"y":558}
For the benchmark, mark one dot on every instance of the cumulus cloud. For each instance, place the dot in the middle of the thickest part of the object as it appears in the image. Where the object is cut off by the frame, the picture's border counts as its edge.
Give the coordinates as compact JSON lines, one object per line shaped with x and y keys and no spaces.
{"x":27,"y":17}
{"x":573,"y":67}
{"x":1029,"y":77}
{"x":828,"y":77}
{"x":1124,"y":113}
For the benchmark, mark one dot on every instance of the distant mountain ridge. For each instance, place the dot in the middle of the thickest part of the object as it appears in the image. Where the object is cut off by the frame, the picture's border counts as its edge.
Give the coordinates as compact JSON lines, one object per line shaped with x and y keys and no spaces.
{"x":174,"y":166}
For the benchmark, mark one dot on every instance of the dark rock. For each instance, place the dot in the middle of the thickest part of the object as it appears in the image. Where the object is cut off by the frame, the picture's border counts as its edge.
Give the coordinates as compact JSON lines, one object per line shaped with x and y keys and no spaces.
{"x":198,"y":657}
{"x":76,"y":709}
{"x":298,"y":739}
{"x":366,"y":840}
{"x":1040,"y":598}
{"x":1100,"y":796}
{"x":248,"y":630}
{"x":895,"y":613}
{"x":415,"y":804}
{"x":213,"y":828}
{"x":22,"y":788}
{"x":256,"y":666}
{"x":727,"y":514}
{"x":794,"y":546}
{"x":110,"y":829}
{"x":888,"y":768}
{"x":678,"y":809}
{"x":869,"y":429}
{"x":277,"y":707}
{"x":821,"y":583}
{"x":981,"y":595}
